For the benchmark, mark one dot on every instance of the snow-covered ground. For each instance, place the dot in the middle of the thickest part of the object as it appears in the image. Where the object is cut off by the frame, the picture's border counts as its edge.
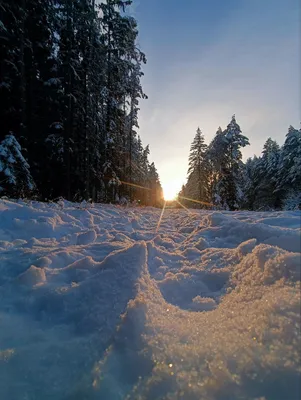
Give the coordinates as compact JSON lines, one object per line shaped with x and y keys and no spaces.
{"x":95,"y":304}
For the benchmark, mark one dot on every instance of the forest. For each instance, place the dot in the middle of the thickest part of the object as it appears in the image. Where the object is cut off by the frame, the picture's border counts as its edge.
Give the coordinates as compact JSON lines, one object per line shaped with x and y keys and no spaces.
{"x":217,"y":176}
{"x":70,"y":91}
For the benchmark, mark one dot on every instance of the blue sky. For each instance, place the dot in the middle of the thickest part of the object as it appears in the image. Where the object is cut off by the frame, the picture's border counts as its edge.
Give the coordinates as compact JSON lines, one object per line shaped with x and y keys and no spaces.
{"x":209,"y":59}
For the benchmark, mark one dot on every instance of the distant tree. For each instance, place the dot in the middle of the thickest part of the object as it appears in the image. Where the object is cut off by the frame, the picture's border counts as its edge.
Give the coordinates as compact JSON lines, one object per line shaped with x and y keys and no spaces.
{"x":235,"y":141}
{"x":156,"y":193}
{"x":228,"y":188}
{"x":267,"y":196}
{"x":292,"y":201}
{"x":197,"y":183}
{"x":289,"y":171}
{"x":15,"y":178}
{"x":251,"y":179}
{"x":270,"y":156}
{"x":217,"y":162}
{"x":181,"y":197}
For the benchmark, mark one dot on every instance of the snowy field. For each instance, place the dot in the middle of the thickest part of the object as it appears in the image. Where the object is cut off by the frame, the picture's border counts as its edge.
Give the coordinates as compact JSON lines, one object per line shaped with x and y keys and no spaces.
{"x":95,"y":304}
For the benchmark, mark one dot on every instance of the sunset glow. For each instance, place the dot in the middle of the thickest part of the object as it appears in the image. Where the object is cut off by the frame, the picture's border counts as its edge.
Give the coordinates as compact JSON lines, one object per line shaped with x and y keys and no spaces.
{"x":171,"y":189}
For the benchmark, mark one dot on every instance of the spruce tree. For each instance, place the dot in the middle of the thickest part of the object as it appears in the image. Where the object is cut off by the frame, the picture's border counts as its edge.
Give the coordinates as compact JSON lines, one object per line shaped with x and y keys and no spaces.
{"x":251,"y":180}
{"x":267,"y":196}
{"x":15,"y":177}
{"x":156,"y":193}
{"x":71,"y":72}
{"x":289,"y":172}
{"x":197,"y":185}
{"x":228,"y":188}
{"x":217,"y":162}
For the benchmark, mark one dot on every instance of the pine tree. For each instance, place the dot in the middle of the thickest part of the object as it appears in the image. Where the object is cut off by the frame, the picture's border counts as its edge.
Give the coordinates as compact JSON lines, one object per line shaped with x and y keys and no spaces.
{"x":11,"y":59}
{"x":289,"y":173}
{"x":197,"y":184}
{"x":15,"y":178}
{"x":71,"y":72}
{"x":228,"y":190}
{"x":123,"y":88}
{"x":156,"y":193}
{"x":267,"y":196}
{"x":251,"y":181}
{"x":216,"y":160}
{"x":235,"y":140}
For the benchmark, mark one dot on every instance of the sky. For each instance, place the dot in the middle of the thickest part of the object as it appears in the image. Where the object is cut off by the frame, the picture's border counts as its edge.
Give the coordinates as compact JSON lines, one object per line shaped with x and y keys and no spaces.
{"x":210,"y":59}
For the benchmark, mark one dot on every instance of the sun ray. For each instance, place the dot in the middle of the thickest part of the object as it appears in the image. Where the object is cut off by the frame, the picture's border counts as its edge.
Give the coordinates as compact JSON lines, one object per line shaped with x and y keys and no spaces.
{"x":197,"y":201}
{"x":185,"y":208}
{"x":134,"y":185}
{"x":161,"y":216}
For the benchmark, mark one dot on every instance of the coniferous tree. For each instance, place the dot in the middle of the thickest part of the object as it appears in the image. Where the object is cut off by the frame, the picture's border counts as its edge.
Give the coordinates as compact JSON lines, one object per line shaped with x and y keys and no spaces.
{"x":156,"y":193}
{"x":267,"y":196}
{"x":251,"y":180}
{"x":271,"y":181}
{"x":289,"y":172}
{"x":15,"y":177}
{"x":197,"y":183}
{"x":71,"y":73}
{"x":228,"y":189}
{"x":216,"y":161}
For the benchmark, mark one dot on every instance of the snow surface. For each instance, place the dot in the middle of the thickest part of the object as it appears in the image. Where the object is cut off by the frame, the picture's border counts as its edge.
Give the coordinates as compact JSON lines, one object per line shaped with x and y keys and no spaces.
{"x":95,"y":304}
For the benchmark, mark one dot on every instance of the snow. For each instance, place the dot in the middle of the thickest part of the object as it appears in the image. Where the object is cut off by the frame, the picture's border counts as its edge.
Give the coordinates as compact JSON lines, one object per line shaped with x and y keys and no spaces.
{"x":97,"y":303}
{"x":53,"y":82}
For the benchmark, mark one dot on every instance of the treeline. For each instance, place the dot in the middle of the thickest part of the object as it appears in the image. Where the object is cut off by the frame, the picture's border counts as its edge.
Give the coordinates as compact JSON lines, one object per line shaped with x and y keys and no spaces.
{"x":217,"y":176}
{"x":70,"y":90}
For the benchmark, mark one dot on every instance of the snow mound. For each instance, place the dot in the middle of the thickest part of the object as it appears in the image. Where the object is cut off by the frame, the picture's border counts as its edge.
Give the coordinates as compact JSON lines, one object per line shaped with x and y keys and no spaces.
{"x":86,"y":237}
{"x":32,"y":276}
{"x":97,"y":302}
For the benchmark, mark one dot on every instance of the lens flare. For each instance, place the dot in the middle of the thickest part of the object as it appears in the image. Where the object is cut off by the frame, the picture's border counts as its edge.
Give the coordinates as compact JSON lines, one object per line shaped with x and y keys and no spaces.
{"x":170,"y":190}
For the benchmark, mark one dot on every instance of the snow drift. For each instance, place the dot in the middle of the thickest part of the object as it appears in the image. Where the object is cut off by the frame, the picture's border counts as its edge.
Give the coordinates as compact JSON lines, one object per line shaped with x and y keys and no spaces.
{"x":95,"y":304}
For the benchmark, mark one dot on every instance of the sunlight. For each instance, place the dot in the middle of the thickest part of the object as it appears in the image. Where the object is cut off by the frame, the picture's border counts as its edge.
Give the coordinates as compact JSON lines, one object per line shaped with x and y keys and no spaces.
{"x":161,"y":216}
{"x":170,"y":190}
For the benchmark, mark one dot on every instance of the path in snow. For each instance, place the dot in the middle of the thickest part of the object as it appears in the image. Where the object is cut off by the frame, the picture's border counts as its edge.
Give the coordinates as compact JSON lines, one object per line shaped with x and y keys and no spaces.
{"x":94,"y":304}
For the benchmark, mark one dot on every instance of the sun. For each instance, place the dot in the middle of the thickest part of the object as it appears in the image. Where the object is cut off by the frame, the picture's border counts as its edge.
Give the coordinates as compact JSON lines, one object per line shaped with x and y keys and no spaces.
{"x":170,"y":190}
